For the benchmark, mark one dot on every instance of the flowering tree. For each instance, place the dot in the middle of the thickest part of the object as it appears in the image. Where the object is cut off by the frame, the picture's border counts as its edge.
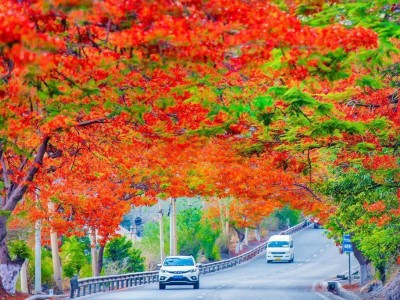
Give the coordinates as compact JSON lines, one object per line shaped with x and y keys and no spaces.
{"x":92,"y":91}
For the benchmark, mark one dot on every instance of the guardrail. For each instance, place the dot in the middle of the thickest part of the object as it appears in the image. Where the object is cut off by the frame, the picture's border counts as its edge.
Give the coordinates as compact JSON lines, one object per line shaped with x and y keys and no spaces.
{"x":87,"y":286}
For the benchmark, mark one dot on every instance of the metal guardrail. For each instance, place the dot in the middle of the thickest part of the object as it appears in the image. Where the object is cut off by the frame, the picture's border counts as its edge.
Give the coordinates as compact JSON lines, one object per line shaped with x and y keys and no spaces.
{"x":87,"y":286}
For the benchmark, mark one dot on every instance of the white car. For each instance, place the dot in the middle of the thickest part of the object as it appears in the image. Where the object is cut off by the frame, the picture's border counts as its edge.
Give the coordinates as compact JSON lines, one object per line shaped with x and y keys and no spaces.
{"x":179,"y":270}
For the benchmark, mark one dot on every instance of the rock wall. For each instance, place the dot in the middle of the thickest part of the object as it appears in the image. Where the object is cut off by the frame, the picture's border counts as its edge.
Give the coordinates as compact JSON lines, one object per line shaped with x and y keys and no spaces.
{"x":392,"y":289}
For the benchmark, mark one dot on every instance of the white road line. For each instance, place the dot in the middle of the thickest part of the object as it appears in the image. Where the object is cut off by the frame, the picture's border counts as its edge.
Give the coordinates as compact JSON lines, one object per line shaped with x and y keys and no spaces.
{"x":322,"y":250}
{"x":307,"y":260}
{"x":315,"y":255}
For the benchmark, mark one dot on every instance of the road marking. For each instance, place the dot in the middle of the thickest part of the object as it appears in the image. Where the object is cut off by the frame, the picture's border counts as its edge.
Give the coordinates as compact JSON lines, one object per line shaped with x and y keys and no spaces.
{"x":200,"y":297}
{"x":315,"y":255}
{"x":327,"y":245}
{"x":307,"y":260}
{"x":301,"y":264}
{"x":322,"y":250}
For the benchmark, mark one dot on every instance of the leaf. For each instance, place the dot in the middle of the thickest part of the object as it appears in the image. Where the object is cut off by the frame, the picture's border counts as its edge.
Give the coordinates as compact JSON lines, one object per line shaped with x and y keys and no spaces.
{"x":261,"y":102}
{"x":364,"y":147}
{"x":369,"y":81}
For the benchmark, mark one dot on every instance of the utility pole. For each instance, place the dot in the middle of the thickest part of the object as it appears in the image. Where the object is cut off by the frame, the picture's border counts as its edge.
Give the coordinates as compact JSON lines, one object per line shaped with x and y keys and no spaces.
{"x":38,"y":252}
{"x":172,"y":245}
{"x":55,"y":254}
{"x":161,"y":230}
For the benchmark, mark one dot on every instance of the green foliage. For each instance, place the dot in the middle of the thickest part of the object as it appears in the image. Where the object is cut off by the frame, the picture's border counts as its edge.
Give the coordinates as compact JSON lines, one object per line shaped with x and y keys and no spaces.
{"x":208,"y":237}
{"x":46,"y":268}
{"x":286,"y":214}
{"x":73,"y":256}
{"x":364,"y":147}
{"x":120,"y":251}
{"x":369,"y":81}
{"x":19,"y":250}
{"x":195,"y":235}
{"x":261,"y":102}
{"x":85,"y":271}
{"x":332,"y":66}
{"x":335,"y":127}
{"x":150,"y":242}
{"x":354,"y":191}
{"x":188,"y":227}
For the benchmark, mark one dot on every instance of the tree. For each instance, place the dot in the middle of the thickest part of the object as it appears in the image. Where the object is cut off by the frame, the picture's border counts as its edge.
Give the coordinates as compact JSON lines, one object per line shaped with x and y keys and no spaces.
{"x":73,"y":256}
{"x":93,"y":84}
{"x":367,"y":209}
{"x":120,"y":251}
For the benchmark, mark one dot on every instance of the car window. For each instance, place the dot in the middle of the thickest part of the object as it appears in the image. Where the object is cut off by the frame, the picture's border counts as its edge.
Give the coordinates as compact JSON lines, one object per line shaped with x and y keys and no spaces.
{"x":278,"y":244}
{"x":178,"y":261}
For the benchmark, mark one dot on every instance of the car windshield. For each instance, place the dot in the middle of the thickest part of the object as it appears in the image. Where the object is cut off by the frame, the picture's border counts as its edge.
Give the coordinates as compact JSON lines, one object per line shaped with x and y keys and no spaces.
{"x":276,"y":244}
{"x":178,"y":261}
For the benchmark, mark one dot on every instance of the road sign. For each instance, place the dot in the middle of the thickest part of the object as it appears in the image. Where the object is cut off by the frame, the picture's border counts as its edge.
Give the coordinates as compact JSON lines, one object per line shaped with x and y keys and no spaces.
{"x":346,"y":245}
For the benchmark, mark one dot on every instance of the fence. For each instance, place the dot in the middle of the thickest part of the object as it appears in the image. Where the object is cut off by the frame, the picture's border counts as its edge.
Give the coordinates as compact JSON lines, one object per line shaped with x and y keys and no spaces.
{"x":87,"y":286}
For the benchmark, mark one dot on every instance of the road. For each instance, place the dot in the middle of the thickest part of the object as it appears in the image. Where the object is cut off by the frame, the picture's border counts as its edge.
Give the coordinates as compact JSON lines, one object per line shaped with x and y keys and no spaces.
{"x":316,"y":259}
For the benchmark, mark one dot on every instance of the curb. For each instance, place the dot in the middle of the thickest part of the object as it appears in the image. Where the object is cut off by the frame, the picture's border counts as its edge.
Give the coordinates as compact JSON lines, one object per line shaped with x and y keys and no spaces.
{"x":34,"y":297}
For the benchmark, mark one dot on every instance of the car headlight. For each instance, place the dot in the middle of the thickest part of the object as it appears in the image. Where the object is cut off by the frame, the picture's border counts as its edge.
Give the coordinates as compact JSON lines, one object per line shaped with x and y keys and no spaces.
{"x":192,"y":270}
{"x":163,"y":271}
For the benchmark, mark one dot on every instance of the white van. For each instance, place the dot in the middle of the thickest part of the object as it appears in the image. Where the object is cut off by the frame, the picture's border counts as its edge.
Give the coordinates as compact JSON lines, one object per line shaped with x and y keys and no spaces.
{"x":280,"y":248}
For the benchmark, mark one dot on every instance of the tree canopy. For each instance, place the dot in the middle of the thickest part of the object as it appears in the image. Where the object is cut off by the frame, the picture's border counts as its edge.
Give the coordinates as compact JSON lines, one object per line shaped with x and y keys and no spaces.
{"x":104,"y":104}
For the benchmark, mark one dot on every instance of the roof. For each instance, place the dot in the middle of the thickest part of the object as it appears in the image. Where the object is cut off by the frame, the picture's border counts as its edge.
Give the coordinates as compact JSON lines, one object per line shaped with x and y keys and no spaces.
{"x":283,"y":237}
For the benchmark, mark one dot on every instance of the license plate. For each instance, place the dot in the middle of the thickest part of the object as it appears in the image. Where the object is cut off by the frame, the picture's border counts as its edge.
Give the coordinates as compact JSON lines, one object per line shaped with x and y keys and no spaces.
{"x":278,"y":258}
{"x":178,"y":277}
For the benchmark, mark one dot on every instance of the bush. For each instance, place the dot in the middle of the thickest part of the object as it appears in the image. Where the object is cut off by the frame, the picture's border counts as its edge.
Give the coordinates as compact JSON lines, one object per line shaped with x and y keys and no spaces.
{"x":73,"y":256}
{"x":121,"y":257}
{"x":19,"y":250}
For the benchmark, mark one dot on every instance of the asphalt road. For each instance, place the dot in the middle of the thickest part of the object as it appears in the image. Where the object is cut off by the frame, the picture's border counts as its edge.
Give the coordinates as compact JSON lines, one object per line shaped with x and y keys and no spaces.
{"x":316,"y":260}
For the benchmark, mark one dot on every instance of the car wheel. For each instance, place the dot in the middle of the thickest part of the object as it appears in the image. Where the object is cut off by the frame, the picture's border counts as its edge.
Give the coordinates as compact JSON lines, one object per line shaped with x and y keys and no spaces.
{"x":292,"y":259}
{"x":196,"y":285}
{"x":161,"y":286}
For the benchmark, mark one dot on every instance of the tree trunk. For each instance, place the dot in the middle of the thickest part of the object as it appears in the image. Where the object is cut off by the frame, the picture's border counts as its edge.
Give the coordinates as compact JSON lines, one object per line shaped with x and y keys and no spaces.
{"x":241,"y":236}
{"x":55,"y":255}
{"x":365,"y":266}
{"x":257,"y":234}
{"x":93,"y":245}
{"x":100,"y":259}
{"x":9,"y":270}
{"x":24,"y":277}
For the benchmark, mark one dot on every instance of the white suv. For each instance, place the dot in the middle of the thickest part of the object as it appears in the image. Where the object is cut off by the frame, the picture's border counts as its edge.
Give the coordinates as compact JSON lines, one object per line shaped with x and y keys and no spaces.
{"x":179,"y":270}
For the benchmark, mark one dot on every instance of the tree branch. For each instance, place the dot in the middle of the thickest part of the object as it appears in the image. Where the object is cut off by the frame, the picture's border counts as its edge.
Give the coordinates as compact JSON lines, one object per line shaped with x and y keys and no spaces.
{"x":90,"y":122}
{"x":306,"y":188}
{"x":17,"y":194}
{"x":5,"y":172}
